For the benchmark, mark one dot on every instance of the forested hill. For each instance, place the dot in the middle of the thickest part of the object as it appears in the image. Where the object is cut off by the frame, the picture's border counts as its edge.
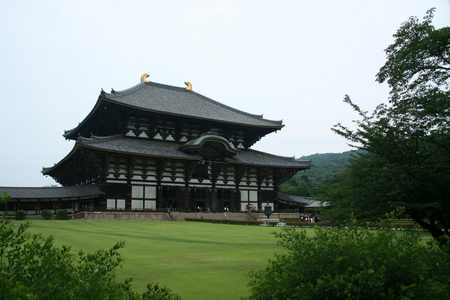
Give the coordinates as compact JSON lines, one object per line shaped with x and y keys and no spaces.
{"x":325,"y":165}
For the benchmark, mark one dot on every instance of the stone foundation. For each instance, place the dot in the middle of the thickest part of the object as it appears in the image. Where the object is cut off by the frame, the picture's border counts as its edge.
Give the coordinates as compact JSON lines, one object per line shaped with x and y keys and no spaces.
{"x":176,"y":216}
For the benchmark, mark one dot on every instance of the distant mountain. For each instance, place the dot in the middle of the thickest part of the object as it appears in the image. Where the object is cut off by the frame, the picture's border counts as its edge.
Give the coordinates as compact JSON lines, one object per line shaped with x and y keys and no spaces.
{"x":325,"y":165}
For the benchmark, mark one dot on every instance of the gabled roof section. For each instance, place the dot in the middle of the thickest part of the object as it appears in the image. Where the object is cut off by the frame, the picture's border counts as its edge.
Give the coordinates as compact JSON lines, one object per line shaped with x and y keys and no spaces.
{"x":132,"y":146}
{"x":182,"y":102}
{"x":254,"y":157}
{"x":128,"y":146}
{"x":177,"y":102}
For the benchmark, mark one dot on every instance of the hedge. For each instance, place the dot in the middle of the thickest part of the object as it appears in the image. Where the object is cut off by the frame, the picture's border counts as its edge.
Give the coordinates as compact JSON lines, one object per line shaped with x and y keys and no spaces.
{"x":254,"y":223}
{"x":294,"y":224}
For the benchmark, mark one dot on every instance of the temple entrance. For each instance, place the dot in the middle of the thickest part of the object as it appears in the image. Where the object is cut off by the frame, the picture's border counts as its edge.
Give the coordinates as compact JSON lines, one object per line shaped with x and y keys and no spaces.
{"x":170,"y":196}
{"x":173,"y":205}
{"x":200,"y":206}
{"x":225,"y":199}
{"x":198,"y":196}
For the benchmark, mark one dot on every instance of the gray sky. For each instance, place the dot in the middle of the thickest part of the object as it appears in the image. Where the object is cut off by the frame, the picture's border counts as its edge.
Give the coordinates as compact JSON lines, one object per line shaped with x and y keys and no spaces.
{"x":289,"y":60}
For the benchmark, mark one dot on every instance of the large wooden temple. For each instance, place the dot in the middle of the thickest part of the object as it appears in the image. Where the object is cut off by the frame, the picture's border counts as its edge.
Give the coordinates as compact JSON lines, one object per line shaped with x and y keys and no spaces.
{"x":155,"y":147}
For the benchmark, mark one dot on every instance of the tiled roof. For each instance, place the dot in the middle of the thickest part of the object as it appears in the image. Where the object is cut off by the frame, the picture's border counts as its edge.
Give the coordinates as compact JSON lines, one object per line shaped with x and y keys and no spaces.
{"x":295,"y":199}
{"x":308,"y":202}
{"x":181,"y":102}
{"x":165,"y":149}
{"x":170,"y":149}
{"x":144,"y":147}
{"x":52,"y":192}
{"x":253,"y":157}
{"x":316,"y":203}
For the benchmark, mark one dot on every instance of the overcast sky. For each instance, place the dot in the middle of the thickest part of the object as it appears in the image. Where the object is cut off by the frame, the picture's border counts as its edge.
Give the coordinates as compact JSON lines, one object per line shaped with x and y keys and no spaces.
{"x":288,"y":60}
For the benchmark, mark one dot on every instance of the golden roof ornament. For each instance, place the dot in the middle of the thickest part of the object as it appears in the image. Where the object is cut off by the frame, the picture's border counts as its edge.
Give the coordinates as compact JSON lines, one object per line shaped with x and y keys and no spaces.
{"x":189,"y":86}
{"x":144,"y":77}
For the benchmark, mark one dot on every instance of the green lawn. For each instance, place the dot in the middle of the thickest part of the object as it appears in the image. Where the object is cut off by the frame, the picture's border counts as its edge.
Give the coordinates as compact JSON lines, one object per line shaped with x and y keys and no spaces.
{"x":195,"y":260}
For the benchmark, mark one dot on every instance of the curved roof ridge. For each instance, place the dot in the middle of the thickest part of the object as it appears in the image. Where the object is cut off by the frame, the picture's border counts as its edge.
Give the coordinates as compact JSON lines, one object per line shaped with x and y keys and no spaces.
{"x":251,"y":156}
{"x":165,"y":149}
{"x":98,"y":139}
{"x":115,"y":94}
{"x":125,"y":91}
{"x":199,"y":142}
{"x":46,"y":170}
{"x":261,"y":117}
{"x":290,"y":158}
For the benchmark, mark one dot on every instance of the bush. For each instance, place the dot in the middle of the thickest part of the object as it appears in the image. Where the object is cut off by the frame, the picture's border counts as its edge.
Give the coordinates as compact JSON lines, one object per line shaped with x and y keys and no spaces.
{"x":31,"y":267}
{"x":217,"y":221}
{"x":46,"y":214}
{"x":20,"y":215}
{"x":62,"y":215}
{"x":353,"y":263}
{"x":155,"y":292}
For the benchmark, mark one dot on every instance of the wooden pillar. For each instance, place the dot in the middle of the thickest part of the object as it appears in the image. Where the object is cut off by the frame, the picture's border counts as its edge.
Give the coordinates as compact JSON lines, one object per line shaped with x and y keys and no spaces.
{"x":213,"y":197}
{"x":161,"y":203}
{"x":215,"y":170}
{"x":237,"y":200}
{"x":187,"y":204}
{"x":238,"y":174}
{"x":130,"y":169}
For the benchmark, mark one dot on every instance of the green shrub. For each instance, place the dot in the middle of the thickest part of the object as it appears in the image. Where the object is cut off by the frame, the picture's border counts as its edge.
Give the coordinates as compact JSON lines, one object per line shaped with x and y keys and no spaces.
{"x":62,"y":214}
{"x":20,"y":215}
{"x":353,"y":263}
{"x":46,"y":214}
{"x":31,"y":267}
{"x":234,"y":222}
{"x":155,"y":292}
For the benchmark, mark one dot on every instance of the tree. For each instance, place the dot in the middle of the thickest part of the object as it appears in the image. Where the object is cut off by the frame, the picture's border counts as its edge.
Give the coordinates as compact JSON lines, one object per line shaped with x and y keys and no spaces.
{"x":297,"y":188}
{"x":31,"y":267}
{"x":350,"y":263}
{"x":407,"y":141}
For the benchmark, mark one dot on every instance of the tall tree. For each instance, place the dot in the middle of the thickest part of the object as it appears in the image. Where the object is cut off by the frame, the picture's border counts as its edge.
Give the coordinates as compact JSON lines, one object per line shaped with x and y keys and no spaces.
{"x":407,"y":141}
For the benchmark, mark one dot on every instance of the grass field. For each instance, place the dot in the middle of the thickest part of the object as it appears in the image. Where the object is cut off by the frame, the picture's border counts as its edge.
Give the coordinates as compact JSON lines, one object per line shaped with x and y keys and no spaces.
{"x":195,"y":260}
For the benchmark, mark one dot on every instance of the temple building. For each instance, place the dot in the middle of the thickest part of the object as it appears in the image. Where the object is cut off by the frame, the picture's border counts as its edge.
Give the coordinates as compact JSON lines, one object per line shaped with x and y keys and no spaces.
{"x":155,"y":147}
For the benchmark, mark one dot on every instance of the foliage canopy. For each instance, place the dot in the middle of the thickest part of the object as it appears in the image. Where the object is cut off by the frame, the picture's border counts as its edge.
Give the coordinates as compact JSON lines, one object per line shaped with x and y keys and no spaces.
{"x":326,"y":166}
{"x":353,"y":263}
